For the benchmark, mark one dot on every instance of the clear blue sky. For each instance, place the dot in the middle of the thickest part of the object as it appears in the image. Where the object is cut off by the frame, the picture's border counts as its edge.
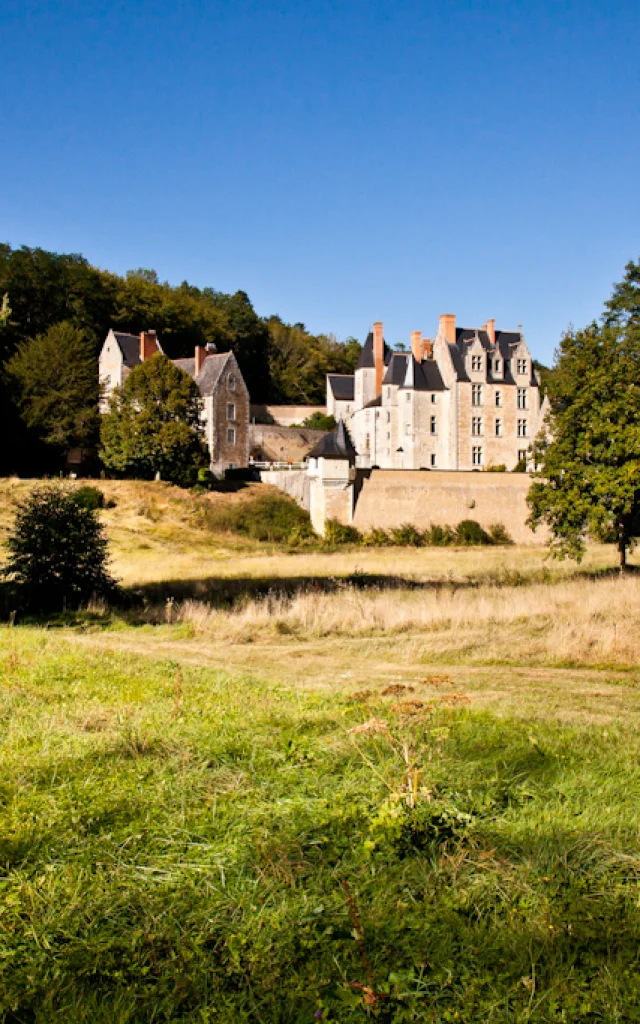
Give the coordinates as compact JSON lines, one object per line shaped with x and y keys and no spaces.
{"x":341,"y":162}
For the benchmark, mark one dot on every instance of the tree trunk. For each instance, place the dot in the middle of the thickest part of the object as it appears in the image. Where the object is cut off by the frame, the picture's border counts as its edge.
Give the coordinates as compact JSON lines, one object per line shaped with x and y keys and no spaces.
{"x":622,"y":548}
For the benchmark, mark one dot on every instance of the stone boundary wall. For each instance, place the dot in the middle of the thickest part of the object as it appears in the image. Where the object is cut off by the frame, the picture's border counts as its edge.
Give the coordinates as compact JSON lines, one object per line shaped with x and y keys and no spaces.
{"x":294,"y":482}
{"x":389,"y":498}
{"x":271,"y":443}
{"x":285,"y":415}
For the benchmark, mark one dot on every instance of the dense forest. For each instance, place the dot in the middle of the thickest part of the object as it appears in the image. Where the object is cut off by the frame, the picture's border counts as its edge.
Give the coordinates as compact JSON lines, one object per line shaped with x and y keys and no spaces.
{"x":38,"y":290}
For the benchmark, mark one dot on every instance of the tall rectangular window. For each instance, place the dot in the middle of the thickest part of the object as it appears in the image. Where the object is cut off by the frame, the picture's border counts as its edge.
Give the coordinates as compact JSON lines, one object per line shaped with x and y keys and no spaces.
{"x":522,"y":428}
{"x":434,"y":423}
{"x":433,"y":399}
{"x":433,"y":460}
{"x":231,"y":382}
{"x":522,"y":455}
{"x":522,"y":365}
{"x":476,"y":426}
{"x":476,"y":394}
{"x":476,"y":456}
{"x":408,"y":396}
{"x":522,"y":398}
{"x":498,"y":428}
{"x":498,"y":398}
{"x":476,"y":363}
{"x":231,"y":411}
{"x":496,"y":366}
{"x":231,"y":436}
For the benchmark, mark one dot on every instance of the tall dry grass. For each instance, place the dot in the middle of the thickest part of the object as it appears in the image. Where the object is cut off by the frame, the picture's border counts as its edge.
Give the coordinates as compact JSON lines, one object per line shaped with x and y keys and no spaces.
{"x":577,"y":621}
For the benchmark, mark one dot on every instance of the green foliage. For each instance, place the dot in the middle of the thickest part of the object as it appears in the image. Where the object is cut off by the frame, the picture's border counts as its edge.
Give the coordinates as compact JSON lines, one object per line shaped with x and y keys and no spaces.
{"x":376,"y":538}
{"x":520,"y":466}
{"x":588,"y":477}
{"x":57,"y":552}
{"x":188,"y":845}
{"x":440,"y":536}
{"x":269,"y":517}
{"x":500,"y":468}
{"x":406,"y":535}
{"x":499,"y":535}
{"x":318,"y":421}
{"x":55,"y":376}
{"x":153,"y":424}
{"x":470,"y":532}
{"x":91,"y":498}
{"x":299,"y":362}
{"x":336,"y":533}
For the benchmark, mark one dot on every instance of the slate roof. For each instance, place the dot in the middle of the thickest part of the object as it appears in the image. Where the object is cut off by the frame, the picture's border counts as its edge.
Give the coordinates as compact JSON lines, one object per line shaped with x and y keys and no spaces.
{"x":397,"y":369}
{"x":423,"y":376}
{"x":188,"y":365}
{"x":129,"y":345}
{"x":343,"y":387}
{"x":366,"y":360}
{"x":210,"y":371}
{"x":336,"y":445}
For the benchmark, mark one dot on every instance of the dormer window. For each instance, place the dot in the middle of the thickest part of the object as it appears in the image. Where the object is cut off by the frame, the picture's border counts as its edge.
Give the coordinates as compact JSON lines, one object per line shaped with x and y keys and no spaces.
{"x":476,"y":364}
{"x":496,"y":366}
{"x":522,"y":365}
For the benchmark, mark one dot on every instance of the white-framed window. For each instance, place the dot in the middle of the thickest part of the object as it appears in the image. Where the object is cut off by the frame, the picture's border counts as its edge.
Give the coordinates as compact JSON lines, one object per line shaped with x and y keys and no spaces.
{"x":231,"y":410}
{"x":522,"y":365}
{"x":476,"y":394}
{"x":433,"y":460}
{"x":231,"y":382}
{"x":522,"y":455}
{"x":498,"y":428}
{"x":434,"y":424}
{"x":476,"y":426}
{"x":476,"y":363}
{"x":476,"y":455}
{"x":231,"y":435}
{"x":498,"y":398}
{"x":522,"y":428}
{"x":522,"y":398}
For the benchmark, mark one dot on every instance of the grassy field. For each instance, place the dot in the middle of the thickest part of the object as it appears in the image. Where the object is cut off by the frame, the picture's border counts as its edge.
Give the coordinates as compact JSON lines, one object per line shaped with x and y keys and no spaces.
{"x":399,"y":785}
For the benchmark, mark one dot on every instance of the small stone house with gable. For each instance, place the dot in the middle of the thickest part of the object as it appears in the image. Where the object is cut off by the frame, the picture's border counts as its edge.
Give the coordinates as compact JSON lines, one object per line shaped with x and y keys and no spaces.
{"x":468,"y":400}
{"x":221,"y":384}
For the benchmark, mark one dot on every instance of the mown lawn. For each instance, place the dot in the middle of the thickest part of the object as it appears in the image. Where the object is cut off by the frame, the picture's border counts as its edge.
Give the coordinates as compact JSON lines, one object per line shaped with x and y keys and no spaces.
{"x":180,"y":843}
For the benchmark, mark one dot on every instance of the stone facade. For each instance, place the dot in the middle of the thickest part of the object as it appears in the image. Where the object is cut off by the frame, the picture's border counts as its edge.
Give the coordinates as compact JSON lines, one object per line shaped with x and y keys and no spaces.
{"x":468,"y":400}
{"x":225,"y":416}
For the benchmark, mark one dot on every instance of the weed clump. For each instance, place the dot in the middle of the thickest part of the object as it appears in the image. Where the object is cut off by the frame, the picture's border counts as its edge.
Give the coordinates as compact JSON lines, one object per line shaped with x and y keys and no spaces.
{"x":269,"y":517}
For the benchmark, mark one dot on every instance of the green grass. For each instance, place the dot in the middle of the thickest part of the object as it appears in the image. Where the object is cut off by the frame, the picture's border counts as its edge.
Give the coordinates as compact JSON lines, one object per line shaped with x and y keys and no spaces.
{"x":183,"y":844}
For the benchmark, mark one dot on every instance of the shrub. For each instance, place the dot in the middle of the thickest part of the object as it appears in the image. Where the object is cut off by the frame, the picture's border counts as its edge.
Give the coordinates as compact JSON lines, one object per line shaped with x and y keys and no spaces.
{"x":57,"y":552}
{"x":376,"y":538}
{"x":89,"y":497}
{"x":500,"y":468}
{"x":268,"y":517}
{"x":498,"y":534}
{"x":319,"y":421}
{"x":337,"y":533}
{"x":407,"y":536}
{"x":470,"y":532}
{"x":439,"y":536}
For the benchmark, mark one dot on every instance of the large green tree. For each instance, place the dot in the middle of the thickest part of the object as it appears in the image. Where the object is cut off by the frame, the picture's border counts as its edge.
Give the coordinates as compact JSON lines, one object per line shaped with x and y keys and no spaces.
{"x":299,"y":362}
{"x":153,"y":424}
{"x":588,"y":464}
{"x":55,"y":380}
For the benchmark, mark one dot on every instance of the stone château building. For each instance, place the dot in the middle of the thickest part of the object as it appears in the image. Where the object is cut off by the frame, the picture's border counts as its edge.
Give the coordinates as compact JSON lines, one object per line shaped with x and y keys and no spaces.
{"x":225,"y":396}
{"x":468,"y":400}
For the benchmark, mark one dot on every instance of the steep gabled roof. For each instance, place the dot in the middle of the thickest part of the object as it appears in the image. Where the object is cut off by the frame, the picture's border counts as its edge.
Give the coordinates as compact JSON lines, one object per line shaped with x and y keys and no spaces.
{"x":129,"y":345}
{"x":336,"y":445}
{"x":366,"y":360}
{"x":210,"y":370}
{"x":396,"y":369}
{"x":342,"y":386}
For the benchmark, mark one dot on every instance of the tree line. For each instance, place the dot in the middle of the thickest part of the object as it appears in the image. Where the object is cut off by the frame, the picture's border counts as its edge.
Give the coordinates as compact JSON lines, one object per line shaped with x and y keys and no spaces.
{"x":56,"y":310}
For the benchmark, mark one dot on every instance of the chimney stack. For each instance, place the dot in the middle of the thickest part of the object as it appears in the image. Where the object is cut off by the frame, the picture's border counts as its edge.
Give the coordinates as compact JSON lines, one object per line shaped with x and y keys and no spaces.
{"x":448,"y":327}
{"x":427,"y":348}
{"x":490,"y":328}
{"x":378,"y":355}
{"x":148,"y":345}
{"x":416,"y":345}
{"x":201,"y":354}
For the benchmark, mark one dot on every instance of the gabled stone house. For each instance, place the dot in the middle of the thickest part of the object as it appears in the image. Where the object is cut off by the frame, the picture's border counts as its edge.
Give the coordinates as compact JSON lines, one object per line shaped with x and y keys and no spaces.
{"x":225,"y":396}
{"x":469,"y":399}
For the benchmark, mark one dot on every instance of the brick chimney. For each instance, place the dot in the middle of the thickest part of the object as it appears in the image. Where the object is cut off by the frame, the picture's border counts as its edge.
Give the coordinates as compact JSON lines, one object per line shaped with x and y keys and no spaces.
{"x":416,"y":345}
{"x":490,"y":328}
{"x":201,"y":354}
{"x":427,"y":348}
{"x":148,"y":345}
{"x":378,"y":355}
{"x":448,"y":327}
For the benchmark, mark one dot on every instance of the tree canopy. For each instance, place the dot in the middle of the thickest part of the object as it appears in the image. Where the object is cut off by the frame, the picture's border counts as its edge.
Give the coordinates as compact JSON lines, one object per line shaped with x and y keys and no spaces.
{"x":153,"y":424}
{"x":588,"y":466}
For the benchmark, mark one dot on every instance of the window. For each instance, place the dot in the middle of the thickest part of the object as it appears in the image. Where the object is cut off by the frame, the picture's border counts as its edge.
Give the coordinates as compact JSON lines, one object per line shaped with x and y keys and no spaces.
{"x":408,"y":397}
{"x":522,"y":365}
{"x":434,"y":422}
{"x":522,"y":428}
{"x":476,"y":363}
{"x":231,"y":436}
{"x":388,"y":436}
{"x":388,"y":417}
{"x":476,"y":426}
{"x":388,"y":392}
{"x":433,"y":399}
{"x":407,"y":429}
{"x":231,"y":382}
{"x":498,"y":398}
{"x":433,"y":460}
{"x":498,"y":428}
{"x":231,"y":411}
{"x":476,"y":394}
{"x":476,"y":456}
{"x":522,"y":398}
{"x":496,"y":366}
{"x":522,"y":455}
